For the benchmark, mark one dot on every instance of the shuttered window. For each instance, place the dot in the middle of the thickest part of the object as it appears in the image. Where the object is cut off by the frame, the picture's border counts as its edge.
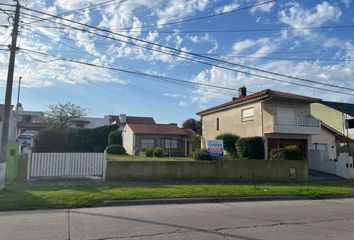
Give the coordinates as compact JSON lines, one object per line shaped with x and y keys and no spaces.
{"x":247,"y":114}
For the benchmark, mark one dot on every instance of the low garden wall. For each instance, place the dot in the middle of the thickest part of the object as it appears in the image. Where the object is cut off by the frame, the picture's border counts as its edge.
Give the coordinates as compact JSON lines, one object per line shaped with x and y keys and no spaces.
{"x":238,"y":170}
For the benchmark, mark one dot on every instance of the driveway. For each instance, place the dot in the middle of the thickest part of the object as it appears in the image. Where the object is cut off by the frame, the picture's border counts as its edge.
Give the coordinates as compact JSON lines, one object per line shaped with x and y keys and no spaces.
{"x":316,"y":219}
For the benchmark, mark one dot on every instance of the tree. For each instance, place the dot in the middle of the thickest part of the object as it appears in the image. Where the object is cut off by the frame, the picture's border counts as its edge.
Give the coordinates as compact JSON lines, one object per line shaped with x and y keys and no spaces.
{"x":115,"y":137}
{"x":229,"y":142}
{"x":193,"y":124}
{"x":61,"y":114}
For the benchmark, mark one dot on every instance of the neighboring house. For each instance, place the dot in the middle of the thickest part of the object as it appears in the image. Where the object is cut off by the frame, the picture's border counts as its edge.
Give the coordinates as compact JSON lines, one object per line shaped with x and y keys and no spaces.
{"x":25,"y":121}
{"x":174,"y":141}
{"x":334,"y":115}
{"x":120,"y":120}
{"x":324,"y":155}
{"x":123,"y":119}
{"x":90,"y":122}
{"x":328,"y":140}
{"x":280,"y":118}
{"x":29,"y":120}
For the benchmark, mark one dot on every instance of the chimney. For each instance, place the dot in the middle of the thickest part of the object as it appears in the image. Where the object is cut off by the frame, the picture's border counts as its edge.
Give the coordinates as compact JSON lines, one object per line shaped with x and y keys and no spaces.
{"x":123,"y":118}
{"x":242,"y":92}
{"x":19,"y":107}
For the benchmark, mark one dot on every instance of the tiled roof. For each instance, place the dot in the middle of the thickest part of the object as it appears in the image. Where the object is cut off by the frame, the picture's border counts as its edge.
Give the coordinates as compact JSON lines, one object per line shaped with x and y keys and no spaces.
{"x":347,"y":108}
{"x":159,"y":129}
{"x":267,"y":93}
{"x":134,"y":120}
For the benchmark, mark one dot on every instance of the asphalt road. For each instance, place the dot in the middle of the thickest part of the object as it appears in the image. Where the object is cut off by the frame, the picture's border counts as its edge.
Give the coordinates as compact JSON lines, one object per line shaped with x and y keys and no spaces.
{"x":315,"y":219}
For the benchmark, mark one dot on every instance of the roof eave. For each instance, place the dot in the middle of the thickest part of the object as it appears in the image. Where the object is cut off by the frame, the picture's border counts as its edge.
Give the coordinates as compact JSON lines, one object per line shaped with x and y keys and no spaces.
{"x":206,"y":112}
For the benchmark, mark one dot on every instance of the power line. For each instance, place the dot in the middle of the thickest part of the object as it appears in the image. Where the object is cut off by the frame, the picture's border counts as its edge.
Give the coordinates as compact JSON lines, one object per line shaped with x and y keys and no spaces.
{"x":225,"y":30}
{"x":241,"y":56}
{"x":127,"y":71}
{"x":217,"y":54}
{"x":186,"y":53}
{"x":80,"y":9}
{"x":289,"y":59}
{"x":177,"y":80}
{"x":163,"y":79}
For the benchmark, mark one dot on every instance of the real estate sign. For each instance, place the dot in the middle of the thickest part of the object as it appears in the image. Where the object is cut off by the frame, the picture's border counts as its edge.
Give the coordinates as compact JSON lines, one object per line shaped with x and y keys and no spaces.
{"x":216,"y":147}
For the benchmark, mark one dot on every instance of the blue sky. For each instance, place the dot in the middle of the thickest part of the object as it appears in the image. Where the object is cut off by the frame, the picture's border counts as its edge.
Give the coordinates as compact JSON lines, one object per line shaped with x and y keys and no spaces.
{"x":104,"y":92}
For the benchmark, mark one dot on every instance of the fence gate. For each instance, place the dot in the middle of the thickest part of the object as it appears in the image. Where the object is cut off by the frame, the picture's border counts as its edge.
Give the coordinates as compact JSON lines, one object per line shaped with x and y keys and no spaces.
{"x":66,"y":165}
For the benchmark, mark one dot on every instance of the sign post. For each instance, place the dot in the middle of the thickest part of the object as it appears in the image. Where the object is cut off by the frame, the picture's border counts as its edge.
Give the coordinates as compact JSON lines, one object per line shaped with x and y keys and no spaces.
{"x":216,"y":148}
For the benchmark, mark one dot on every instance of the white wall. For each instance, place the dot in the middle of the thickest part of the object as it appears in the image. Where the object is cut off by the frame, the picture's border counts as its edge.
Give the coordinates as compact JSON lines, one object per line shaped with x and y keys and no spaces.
{"x":128,"y":140}
{"x":328,"y":138}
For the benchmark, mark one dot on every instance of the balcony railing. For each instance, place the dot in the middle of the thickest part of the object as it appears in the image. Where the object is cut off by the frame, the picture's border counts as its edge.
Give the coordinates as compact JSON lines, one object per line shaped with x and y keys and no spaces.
{"x":305,"y":122}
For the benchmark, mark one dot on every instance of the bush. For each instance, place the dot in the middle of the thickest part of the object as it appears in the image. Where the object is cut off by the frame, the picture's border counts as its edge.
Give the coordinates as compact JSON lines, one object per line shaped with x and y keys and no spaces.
{"x":115,"y":137}
{"x":291,"y":152}
{"x":52,"y":141}
{"x":158,"y":152}
{"x":250,"y":148}
{"x":74,"y":140}
{"x":202,"y":154}
{"x":116,"y":149}
{"x":277,"y":154}
{"x":149,"y":151}
{"x":229,"y":142}
{"x":196,"y":142}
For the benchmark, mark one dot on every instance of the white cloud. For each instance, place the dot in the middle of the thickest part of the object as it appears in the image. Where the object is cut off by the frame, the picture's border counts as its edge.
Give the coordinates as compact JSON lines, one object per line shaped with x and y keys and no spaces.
{"x":259,"y":47}
{"x":176,"y":10}
{"x":347,"y":3}
{"x":297,"y":16}
{"x":228,"y":7}
{"x":262,"y":8}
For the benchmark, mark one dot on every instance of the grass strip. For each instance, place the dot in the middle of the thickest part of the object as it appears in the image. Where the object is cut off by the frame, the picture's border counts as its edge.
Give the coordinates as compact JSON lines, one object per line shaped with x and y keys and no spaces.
{"x":43,"y":196}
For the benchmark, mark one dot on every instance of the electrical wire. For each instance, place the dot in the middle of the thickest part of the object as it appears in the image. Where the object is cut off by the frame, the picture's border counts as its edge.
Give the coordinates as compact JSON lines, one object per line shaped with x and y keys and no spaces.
{"x":185,"y":52}
{"x":173,"y":79}
{"x":57,"y":58}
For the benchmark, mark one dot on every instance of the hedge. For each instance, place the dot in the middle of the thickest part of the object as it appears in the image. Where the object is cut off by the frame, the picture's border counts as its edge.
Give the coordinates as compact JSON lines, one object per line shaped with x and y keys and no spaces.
{"x":229,"y":142}
{"x":291,"y":152}
{"x":158,"y":152}
{"x":202,"y":154}
{"x":250,"y":148}
{"x":74,"y":140}
{"x":116,"y":149}
{"x":149,"y":151}
{"x":115,"y":137}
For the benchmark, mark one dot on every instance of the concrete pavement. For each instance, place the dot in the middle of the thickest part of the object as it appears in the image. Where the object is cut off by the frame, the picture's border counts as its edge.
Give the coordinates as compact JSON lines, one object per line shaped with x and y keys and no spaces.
{"x":308,"y":219}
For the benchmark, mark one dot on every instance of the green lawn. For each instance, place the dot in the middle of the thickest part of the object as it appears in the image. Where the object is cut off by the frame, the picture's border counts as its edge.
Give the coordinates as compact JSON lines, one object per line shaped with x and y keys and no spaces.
{"x":140,"y":158}
{"x":40,"y":196}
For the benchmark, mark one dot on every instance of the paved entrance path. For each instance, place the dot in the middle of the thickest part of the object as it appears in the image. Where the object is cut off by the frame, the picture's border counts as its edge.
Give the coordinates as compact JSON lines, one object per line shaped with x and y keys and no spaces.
{"x":319,"y":219}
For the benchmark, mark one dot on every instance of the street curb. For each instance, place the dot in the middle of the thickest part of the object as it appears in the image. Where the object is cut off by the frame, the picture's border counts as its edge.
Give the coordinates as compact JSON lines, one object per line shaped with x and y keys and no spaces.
{"x":218,"y":200}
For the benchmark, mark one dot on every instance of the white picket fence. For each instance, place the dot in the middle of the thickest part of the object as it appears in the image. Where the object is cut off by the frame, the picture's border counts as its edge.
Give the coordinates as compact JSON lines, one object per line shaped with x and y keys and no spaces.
{"x":68,"y":165}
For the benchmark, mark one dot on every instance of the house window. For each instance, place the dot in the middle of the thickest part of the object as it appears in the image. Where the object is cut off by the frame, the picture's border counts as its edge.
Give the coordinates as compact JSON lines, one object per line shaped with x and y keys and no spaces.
{"x":217,"y":124}
{"x":147,"y":142}
{"x":247,"y":114}
{"x":171,"y":144}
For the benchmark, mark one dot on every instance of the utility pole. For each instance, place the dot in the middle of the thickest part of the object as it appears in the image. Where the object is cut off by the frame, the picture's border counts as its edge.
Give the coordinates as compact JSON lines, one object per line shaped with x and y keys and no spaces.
{"x":8,"y":96}
{"x":18,"y":102}
{"x":18,"y":94}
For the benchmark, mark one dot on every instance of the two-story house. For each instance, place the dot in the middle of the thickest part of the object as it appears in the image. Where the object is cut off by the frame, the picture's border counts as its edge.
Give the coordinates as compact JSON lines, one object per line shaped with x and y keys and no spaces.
{"x":280,"y":118}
